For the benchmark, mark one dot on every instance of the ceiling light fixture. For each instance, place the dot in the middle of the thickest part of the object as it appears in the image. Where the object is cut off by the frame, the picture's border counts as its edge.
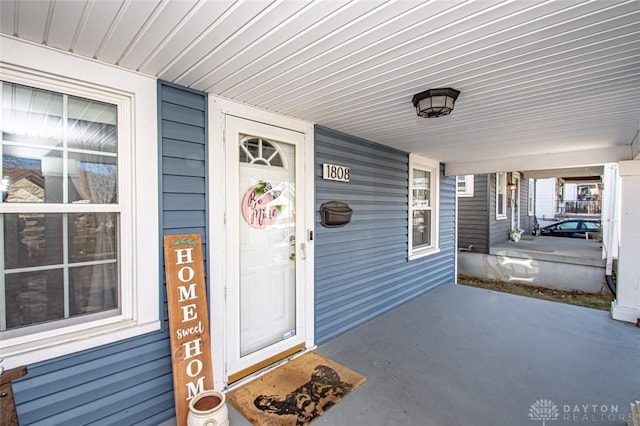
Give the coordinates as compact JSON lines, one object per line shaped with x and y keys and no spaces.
{"x":435,"y":102}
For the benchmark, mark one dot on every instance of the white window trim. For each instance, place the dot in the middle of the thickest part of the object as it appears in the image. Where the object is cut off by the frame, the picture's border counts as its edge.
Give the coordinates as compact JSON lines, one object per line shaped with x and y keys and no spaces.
{"x":504,"y":199}
{"x":468,"y":186}
{"x":423,"y":163}
{"x":136,"y":97}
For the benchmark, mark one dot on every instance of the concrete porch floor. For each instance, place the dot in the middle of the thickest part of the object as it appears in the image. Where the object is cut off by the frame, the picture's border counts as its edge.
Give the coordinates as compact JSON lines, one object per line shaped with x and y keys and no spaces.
{"x":465,"y":356}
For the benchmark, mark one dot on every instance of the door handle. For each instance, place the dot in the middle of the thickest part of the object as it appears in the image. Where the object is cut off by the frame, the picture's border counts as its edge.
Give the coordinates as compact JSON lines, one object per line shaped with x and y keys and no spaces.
{"x":292,"y":246}
{"x":303,"y":252}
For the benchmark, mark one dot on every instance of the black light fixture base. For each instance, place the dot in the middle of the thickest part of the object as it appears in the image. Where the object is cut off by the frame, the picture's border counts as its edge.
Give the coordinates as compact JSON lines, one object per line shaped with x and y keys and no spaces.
{"x":435,"y":102}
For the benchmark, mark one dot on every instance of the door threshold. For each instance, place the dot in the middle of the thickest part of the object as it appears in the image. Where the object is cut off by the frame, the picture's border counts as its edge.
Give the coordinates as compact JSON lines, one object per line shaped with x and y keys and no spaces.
{"x":266,"y":366}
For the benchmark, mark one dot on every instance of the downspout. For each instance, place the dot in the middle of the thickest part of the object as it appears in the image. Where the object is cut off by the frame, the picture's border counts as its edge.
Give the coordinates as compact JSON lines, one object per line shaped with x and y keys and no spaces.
{"x":610,"y":223}
{"x":611,"y":283}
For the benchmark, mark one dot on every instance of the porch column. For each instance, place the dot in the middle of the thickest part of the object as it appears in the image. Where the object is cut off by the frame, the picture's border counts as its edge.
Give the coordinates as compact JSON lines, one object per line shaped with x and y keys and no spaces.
{"x":626,"y":307}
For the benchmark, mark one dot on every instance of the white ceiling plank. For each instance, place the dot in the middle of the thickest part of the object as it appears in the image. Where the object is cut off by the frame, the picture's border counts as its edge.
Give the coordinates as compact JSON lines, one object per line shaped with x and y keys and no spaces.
{"x":310,"y":45}
{"x":202,"y":19}
{"x":134,"y":17}
{"x":348,"y":41}
{"x":502,"y":82}
{"x":169,"y":15}
{"x":267,"y":21}
{"x":9,"y":17}
{"x":560,"y":130}
{"x":170,"y":47}
{"x":473,"y":108}
{"x":95,"y":26}
{"x":453,"y":29}
{"x":66,"y":18}
{"x":281,"y":42}
{"x":32,"y":19}
{"x":370,"y":74}
{"x":213,"y":35}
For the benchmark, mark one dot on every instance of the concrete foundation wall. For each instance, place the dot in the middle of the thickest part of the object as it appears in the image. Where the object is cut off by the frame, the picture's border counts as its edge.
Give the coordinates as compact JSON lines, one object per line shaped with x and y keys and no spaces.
{"x":589,"y":277}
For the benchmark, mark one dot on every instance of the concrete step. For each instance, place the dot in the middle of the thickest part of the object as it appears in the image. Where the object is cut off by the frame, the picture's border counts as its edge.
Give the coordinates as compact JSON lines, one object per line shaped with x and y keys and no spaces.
{"x":634,"y":414}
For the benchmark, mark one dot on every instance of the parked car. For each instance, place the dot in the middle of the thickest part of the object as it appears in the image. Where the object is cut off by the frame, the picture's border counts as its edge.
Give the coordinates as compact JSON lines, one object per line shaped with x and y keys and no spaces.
{"x":572,"y":228}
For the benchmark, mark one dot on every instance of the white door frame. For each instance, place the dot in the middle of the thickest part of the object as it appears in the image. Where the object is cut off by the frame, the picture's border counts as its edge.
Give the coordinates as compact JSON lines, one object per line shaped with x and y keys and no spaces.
{"x":217,"y":238}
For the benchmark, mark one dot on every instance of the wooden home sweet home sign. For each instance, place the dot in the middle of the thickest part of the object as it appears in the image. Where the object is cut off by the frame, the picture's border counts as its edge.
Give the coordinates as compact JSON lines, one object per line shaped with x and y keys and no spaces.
{"x":188,"y":320}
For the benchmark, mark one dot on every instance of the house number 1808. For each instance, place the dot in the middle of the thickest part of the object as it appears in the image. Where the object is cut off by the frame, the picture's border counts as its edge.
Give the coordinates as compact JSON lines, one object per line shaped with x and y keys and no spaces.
{"x":333,"y":172}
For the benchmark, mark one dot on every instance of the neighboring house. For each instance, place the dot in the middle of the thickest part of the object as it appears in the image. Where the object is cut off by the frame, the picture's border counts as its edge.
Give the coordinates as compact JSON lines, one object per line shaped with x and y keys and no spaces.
{"x":485,"y":218}
{"x":557,"y":198}
{"x":490,"y":206}
{"x":141,"y":158}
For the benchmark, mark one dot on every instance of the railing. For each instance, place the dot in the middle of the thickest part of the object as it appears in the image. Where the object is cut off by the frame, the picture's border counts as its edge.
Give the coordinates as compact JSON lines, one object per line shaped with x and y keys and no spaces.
{"x":579,"y":207}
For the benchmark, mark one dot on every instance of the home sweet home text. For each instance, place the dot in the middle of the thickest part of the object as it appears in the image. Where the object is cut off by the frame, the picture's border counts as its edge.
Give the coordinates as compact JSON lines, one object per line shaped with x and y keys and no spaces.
{"x":188,"y":320}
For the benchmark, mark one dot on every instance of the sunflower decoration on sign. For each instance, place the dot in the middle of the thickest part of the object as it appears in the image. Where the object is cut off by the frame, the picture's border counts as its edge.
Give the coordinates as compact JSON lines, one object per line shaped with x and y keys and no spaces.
{"x":258,"y":207}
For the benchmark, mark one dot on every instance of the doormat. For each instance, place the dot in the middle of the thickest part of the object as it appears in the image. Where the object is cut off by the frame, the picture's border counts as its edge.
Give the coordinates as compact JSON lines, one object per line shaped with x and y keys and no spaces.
{"x":296,"y":392}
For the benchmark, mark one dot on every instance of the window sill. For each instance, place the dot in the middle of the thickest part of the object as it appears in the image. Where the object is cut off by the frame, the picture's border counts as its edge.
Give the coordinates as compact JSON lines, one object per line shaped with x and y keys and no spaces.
{"x":36,"y":349}
{"x":501,"y":217}
{"x":423,"y":253}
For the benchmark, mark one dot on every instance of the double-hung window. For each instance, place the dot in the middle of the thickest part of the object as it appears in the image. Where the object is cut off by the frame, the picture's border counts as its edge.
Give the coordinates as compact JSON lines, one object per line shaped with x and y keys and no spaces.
{"x":61,"y":232}
{"x":464,"y":186}
{"x":70,"y":273}
{"x":423,"y":206}
{"x":501,"y":195}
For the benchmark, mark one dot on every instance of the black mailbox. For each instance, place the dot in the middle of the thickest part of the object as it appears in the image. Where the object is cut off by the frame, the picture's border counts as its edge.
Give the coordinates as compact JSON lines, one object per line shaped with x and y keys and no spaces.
{"x":335,"y":214}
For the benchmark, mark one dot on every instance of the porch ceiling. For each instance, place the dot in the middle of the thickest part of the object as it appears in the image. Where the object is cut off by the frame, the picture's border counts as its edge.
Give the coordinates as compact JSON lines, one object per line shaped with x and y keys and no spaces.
{"x":539,"y":80}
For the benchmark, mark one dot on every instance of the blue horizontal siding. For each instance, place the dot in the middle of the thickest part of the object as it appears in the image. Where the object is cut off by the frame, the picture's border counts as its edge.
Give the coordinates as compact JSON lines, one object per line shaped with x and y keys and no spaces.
{"x":183,"y":132}
{"x":60,"y":390}
{"x":473,"y":217}
{"x":362,"y":269}
{"x":184,"y":184}
{"x":180,"y":149}
{"x":130,"y":382}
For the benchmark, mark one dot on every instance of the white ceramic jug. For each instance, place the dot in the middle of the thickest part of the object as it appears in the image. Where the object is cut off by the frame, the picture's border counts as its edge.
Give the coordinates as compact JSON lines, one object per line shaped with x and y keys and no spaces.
{"x":208,"y":408}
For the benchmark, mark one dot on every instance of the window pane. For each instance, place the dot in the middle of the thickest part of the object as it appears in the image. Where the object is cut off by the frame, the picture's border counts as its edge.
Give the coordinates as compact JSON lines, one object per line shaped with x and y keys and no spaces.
{"x":34,"y":297}
{"x":31,"y":116}
{"x":93,"y":288}
{"x":92,"y":125}
{"x":421,"y":228}
{"x":421,"y":188}
{"x":590,"y":226}
{"x":573,"y":225}
{"x":92,"y":236}
{"x":93,"y":179}
{"x":32,"y":239}
{"x":249,"y":150}
{"x":32,"y":175}
{"x":260,"y":151}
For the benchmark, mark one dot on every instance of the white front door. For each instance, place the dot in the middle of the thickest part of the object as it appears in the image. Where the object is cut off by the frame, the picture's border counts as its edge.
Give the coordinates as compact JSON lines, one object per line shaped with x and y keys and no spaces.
{"x":515,"y":200}
{"x":266,"y":245}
